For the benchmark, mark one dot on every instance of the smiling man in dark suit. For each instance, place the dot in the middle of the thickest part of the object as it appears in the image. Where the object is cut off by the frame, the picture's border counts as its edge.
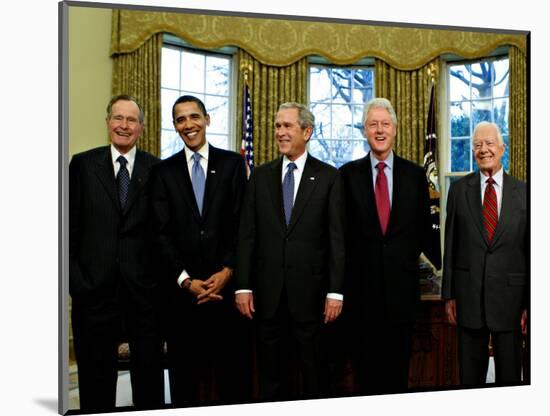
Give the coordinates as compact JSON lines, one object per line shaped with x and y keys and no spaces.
{"x":485,"y":278}
{"x":196,"y":200}
{"x":291,"y":255}
{"x":110,"y":282}
{"x":388,"y":215}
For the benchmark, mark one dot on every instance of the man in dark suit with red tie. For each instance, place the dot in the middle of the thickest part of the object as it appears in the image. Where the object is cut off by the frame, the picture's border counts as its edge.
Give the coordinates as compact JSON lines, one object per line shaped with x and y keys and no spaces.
{"x":291,"y":256}
{"x":196,"y":201}
{"x":110,"y":282}
{"x":485,"y":279}
{"x":388,"y":226}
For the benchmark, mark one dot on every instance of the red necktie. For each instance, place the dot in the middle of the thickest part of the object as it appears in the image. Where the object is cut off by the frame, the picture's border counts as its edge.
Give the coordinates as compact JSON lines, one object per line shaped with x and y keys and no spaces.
{"x":490,"y":210}
{"x":382,"y":197}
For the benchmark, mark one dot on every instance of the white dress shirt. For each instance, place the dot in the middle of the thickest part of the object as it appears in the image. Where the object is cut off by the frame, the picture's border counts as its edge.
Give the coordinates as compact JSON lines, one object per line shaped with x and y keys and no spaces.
{"x":130,"y":157}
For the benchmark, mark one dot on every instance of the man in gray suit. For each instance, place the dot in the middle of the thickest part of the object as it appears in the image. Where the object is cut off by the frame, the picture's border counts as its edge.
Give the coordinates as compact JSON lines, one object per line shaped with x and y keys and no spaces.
{"x":485,"y":279}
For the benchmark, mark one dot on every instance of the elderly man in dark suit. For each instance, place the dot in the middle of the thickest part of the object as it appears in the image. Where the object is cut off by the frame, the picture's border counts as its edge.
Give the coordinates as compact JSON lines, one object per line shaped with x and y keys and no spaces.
{"x":388,"y":227}
{"x":291,"y":255}
{"x":110,"y":282}
{"x":196,"y":200}
{"x":485,"y":278}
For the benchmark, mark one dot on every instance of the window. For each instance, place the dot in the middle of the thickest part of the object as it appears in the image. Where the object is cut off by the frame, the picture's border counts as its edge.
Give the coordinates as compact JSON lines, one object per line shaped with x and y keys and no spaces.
{"x":205,"y":75}
{"x":336,"y":98}
{"x":477,"y":91}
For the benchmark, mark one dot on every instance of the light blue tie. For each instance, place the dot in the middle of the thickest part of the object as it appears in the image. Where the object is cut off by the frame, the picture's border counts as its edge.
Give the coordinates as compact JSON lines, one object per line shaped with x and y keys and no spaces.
{"x":198,"y":181}
{"x":288,"y":191}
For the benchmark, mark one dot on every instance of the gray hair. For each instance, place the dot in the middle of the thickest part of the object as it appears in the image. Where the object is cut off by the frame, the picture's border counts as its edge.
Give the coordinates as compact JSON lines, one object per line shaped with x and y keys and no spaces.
{"x":305,"y":117}
{"x":124,"y":97}
{"x":379,"y":103}
{"x":482,"y":124}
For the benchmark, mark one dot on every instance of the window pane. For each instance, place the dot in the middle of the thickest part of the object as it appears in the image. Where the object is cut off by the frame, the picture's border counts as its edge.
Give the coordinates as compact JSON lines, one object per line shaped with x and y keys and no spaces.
{"x":219,"y":140}
{"x":171,"y":143}
{"x":481,"y":111}
{"x":319,"y":84}
{"x":217,"y":75}
{"x":341,"y":122}
{"x":500,"y":114}
{"x":460,"y":119}
{"x":192,"y":72}
{"x":341,"y":85}
{"x":357,"y":131}
{"x":459,"y":83}
{"x":506,"y":157}
{"x":501,"y":86}
{"x":170,"y":68}
{"x":167,"y":98}
{"x":482,"y":77}
{"x":362,"y":85}
{"x":322,"y":120}
{"x":460,"y":155}
{"x":218,"y":108}
{"x":319,"y":149}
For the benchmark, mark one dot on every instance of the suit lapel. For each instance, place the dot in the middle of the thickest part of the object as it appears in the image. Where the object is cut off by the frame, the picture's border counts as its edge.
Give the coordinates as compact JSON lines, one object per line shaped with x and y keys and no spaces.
{"x":473,"y":198}
{"x":509,"y":203}
{"x":106,"y":176}
{"x":213,"y":173}
{"x":308,"y":182}
{"x":138,"y":180}
{"x":277,"y":186}
{"x":397,"y":194}
{"x":181,"y":175}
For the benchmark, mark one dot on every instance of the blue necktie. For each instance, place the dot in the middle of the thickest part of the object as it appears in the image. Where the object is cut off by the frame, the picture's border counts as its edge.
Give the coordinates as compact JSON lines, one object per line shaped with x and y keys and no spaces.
{"x":123,"y":180}
{"x":288,"y":191}
{"x":198,"y":181}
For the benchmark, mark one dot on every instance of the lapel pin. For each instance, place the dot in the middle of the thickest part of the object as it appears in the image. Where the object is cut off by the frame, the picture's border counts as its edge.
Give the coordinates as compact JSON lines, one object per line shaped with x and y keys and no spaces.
{"x":312,"y":178}
{"x":212,"y":171}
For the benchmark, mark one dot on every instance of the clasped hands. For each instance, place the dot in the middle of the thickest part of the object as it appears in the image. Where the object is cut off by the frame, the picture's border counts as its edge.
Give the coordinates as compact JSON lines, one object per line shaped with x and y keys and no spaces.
{"x":209,"y":290}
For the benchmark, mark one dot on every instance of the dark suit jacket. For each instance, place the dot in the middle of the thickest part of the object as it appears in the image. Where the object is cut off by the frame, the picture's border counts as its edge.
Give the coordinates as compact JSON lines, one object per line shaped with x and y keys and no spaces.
{"x":185,"y":240}
{"x":306,"y":258}
{"x":489,"y":283}
{"x":382,"y":274}
{"x":107,"y":246}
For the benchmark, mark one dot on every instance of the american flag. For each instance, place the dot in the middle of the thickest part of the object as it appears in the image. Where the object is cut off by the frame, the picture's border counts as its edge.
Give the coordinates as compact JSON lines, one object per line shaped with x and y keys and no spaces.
{"x":247,"y":146}
{"x":430,"y":168}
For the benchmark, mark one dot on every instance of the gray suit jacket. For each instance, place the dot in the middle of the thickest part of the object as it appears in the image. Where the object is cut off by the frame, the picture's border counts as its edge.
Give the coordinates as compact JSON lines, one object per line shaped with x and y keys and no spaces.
{"x":489,"y":283}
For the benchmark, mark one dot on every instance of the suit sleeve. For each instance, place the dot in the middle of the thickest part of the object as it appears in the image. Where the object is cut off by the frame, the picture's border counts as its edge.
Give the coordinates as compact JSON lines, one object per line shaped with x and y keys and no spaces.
{"x":159,"y":221}
{"x":238,"y":185}
{"x":447,"y":291}
{"x":78,"y":283}
{"x":246,"y":237}
{"x":336,"y":212}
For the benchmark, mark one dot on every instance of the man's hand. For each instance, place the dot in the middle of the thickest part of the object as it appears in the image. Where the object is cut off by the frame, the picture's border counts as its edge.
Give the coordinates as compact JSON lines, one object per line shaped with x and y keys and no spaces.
{"x":198,"y":289}
{"x":333,"y":309}
{"x":245,"y":304}
{"x":214,"y":285}
{"x":450,"y":310}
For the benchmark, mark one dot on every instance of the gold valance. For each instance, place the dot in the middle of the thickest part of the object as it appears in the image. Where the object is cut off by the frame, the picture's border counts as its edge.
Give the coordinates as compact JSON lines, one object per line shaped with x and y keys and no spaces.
{"x":282,"y":42}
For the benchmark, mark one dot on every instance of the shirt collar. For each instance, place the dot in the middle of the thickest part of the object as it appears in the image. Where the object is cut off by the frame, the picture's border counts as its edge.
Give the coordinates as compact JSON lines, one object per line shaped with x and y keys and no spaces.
{"x":497,"y":177}
{"x":300,"y":162}
{"x":130,"y":156}
{"x":374,"y":161}
{"x":203,"y":151}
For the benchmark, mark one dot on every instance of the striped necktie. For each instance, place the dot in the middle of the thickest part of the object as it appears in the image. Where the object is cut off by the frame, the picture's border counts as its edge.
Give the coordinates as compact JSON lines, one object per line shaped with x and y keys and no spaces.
{"x":490,"y":210}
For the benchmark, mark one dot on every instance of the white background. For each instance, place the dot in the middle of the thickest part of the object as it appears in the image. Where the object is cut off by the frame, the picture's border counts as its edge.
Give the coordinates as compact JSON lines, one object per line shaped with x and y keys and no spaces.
{"x":29,"y":208}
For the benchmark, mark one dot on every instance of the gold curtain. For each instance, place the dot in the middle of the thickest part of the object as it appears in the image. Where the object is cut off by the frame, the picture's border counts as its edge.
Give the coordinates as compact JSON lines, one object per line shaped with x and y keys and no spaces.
{"x":409,"y":93}
{"x":518,"y":113}
{"x":269,"y":87}
{"x":282,"y":41}
{"x":138,"y":73}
